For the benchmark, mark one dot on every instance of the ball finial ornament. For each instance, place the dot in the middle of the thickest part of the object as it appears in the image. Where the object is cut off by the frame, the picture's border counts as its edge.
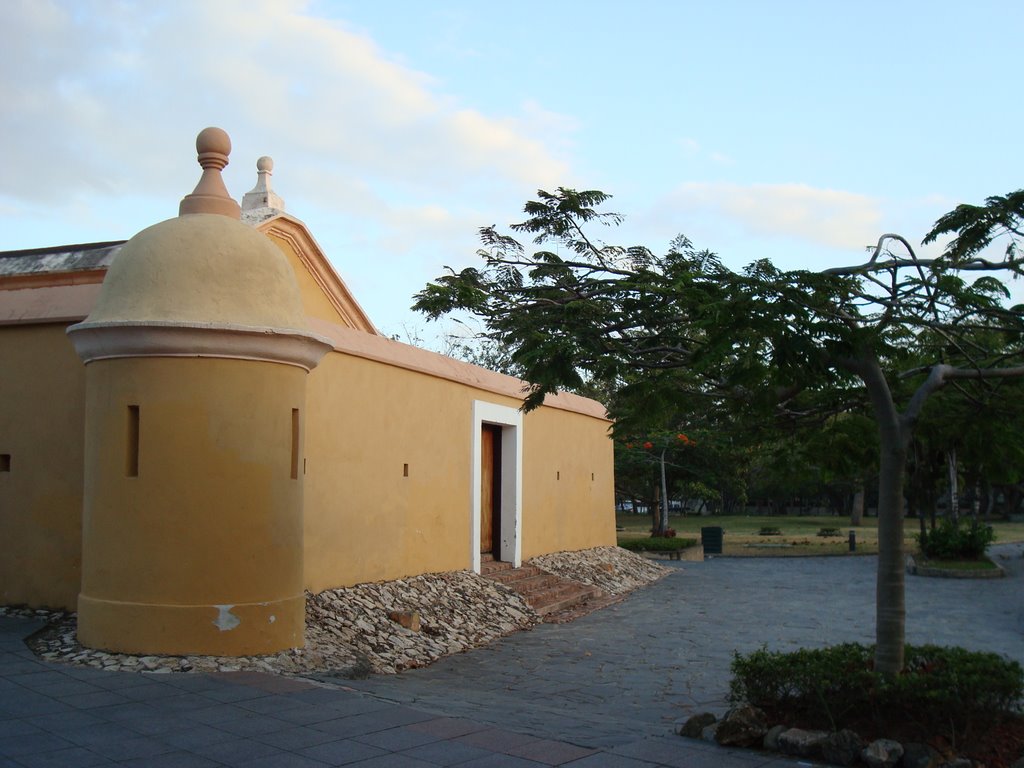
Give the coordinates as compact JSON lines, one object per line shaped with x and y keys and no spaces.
{"x":213,"y":141}
{"x":210,"y":194}
{"x":265,"y":163}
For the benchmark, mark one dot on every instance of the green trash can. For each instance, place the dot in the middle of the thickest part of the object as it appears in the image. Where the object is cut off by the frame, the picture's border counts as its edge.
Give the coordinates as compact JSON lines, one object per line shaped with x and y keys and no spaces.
{"x":711,"y":539}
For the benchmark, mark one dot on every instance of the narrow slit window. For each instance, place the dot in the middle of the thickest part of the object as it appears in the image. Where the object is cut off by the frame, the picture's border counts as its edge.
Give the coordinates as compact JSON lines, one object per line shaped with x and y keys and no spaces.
{"x":132,"y":455}
{"x":295,"y":443}
{"x":405,"y":470}
{"x":5,"y":462}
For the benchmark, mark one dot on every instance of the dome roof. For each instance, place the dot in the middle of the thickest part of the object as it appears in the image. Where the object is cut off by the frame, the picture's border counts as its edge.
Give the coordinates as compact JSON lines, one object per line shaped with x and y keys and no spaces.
{"x":201,"y":285}
{"x":201,"y":268}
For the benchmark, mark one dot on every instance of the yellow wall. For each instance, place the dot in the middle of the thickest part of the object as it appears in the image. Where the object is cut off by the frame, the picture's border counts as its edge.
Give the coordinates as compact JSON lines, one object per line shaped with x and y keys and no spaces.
{"x":365,"y":521}
{"x":568,"y":483}
{"x":42,"y":405}
{"x":314,"y":302}
{"x":218,"y":491}
{"x":212,"y":518}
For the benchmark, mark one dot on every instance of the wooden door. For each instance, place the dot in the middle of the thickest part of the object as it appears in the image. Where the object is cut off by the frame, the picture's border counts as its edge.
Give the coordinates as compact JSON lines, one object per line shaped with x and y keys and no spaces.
{"x":490,"y":488}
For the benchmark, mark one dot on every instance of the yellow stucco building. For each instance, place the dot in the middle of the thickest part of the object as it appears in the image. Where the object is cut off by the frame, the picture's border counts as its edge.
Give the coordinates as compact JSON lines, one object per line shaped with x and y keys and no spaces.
{"x":200,"y":424}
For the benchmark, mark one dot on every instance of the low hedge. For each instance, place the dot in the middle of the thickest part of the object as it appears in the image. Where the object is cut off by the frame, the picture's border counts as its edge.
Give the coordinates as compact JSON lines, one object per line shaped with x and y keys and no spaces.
{"x":956,"y":541}
{"x":952,"y":691}
{"x":656,"y":544}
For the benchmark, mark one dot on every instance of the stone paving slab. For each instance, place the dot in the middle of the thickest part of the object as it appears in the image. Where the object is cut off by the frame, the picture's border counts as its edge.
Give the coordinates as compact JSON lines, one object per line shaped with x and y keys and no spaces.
{"x":641,"y":667}
{"x":605,"y":691}
{"x":56,"y":715}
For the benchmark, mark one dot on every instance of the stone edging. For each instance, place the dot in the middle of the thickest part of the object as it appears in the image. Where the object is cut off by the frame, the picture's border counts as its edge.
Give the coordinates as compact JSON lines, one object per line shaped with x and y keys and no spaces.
{"x":950,"y":573}
{"x":689,"y":554}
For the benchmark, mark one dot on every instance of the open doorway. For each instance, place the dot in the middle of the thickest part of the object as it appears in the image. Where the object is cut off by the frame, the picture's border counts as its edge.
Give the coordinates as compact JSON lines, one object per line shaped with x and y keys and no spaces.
{"x":496,"y":520}
{"x":490,"y":490}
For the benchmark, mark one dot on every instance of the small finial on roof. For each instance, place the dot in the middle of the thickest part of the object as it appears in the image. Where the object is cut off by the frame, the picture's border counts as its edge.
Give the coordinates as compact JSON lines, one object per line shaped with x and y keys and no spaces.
{"x":210,"y":194}
{"x":262,"y":196}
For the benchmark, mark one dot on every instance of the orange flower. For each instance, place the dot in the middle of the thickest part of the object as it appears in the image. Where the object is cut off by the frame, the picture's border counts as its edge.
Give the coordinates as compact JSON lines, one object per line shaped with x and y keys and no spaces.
{"x":648,"y":445}
{"x":682,"y":437}
{"x":629,"y":445}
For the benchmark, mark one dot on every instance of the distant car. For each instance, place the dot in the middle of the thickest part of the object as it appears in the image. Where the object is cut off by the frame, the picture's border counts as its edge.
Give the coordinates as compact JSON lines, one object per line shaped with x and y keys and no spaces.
{"x":626,"y":505}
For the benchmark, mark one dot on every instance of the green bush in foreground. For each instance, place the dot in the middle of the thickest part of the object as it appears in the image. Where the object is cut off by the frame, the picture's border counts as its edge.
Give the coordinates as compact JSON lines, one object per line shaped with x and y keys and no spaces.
{"x":950,"y":691}
{"x":956,"y":541}
{"x":656,"y":544}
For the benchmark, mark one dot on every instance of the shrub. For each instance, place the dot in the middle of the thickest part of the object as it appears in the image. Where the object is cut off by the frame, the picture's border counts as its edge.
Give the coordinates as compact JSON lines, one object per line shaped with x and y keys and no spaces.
{"x":656,"y":544}
{"x":956,"y":541}
{"x":770,"y":530}
{"x":829,"y":532}
{"x":950,"y":691}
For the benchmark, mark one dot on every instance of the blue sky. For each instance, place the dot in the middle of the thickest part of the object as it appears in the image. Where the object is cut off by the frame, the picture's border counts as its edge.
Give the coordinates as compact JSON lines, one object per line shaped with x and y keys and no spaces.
{"x":797,"y":131}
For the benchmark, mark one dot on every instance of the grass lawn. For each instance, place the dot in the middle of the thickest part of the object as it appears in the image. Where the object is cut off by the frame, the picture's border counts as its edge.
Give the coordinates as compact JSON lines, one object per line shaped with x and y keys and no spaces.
{"x":799,"y":535}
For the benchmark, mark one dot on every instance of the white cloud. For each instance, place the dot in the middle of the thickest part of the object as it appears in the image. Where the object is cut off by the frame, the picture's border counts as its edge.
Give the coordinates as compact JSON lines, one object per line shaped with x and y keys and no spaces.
{"x":825,"y":217}
{"x":689,"y":146}
{"x":100,"y":97}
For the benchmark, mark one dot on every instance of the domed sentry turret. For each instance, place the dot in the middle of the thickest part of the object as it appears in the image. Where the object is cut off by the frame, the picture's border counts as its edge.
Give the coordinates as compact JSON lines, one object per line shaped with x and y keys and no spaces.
{"x":196,"y":355}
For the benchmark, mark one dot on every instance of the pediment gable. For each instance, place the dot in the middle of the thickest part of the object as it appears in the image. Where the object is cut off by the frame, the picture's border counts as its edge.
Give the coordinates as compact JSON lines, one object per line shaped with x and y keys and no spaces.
{"x":335,"y":303}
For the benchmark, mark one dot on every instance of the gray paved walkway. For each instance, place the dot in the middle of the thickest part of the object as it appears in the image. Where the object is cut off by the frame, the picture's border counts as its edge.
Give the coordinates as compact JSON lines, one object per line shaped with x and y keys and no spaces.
{"x":644,"y":665}
{"x":603,"y":691}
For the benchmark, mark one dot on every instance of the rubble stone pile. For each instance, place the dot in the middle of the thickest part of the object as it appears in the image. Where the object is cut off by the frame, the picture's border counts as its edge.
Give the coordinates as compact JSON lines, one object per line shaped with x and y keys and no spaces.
{"x":381,"y":627}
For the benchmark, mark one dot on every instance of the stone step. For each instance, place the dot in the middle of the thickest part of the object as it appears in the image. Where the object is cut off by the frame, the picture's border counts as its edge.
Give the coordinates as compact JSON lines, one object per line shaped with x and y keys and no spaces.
{"x":528,"y":584}
{"x":526,"y":573}
{"x":491,"y":567}
{"x":548,"y":594}
{"x":562,"y":596}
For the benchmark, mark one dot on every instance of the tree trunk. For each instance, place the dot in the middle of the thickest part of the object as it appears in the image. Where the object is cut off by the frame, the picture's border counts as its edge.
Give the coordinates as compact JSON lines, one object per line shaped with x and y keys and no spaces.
{"x":656,"y":513}
{"x":890,"y":614}
{"x":664,"y":495}
{"x":894,"y":440}
{"x":954,"y":491}
{"x":857,"y":511}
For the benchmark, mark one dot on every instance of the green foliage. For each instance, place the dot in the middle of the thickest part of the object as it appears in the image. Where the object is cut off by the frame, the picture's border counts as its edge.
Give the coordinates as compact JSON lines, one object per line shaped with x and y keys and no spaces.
{"x":656,"y":544}
{"x":825,"y":532}
{"x":949,"y":691}
{"x":956,"y":540}
{"x":770,"y":530}
{"x":761,"y":346}
{"x":976,"y":226}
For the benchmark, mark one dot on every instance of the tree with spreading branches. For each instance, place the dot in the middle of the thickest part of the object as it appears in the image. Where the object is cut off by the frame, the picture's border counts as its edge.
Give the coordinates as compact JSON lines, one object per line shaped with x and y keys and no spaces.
{"x":764,"y":343}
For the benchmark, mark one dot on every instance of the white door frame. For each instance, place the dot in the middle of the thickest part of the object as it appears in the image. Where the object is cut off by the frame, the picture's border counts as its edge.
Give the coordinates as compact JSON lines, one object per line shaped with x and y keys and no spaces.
{"x":510,"y":538}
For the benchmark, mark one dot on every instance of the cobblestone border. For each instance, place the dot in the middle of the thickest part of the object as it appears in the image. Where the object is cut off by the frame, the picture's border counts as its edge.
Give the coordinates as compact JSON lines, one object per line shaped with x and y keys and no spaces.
{"x":951,"y":573}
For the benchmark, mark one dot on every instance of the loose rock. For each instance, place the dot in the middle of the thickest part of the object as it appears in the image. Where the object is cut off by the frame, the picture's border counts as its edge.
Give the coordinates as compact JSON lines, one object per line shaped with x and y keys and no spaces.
{"x":920,"y":756}
{"x":882,"y":753}
{"x":695,"y":725}
{"x":771,"y":739}
{"x":742,"y":727}
{"x":612,"y":569}
{"x":708,"y":734}
{"x":349,"y":632}
{"x":842,"y":748}
{"x":801,"y":743}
